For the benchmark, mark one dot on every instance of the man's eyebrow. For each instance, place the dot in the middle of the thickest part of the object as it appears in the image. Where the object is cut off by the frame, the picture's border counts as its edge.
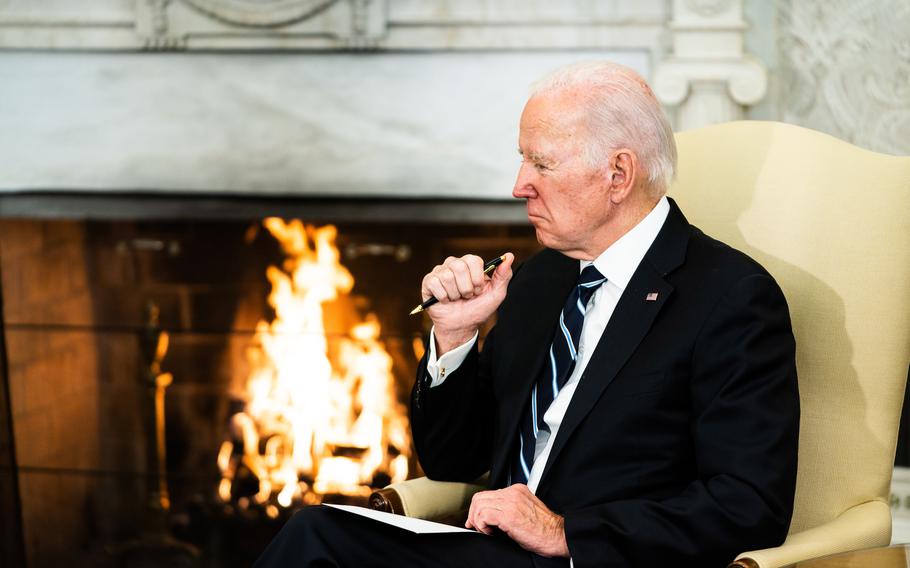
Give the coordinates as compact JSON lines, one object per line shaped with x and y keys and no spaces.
{"x":533,"y":156}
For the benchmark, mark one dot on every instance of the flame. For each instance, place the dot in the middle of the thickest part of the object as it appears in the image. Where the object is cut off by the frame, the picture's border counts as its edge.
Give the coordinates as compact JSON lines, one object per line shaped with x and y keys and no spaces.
{"x":305,"y":416}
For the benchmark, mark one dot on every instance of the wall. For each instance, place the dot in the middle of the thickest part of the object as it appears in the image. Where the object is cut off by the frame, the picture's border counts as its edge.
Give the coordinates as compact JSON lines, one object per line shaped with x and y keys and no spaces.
{"x":845,"y":70}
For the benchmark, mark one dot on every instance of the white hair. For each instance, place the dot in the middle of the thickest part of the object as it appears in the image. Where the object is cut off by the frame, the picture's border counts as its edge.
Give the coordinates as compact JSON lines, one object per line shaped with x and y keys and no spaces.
{"x":621,"y":112}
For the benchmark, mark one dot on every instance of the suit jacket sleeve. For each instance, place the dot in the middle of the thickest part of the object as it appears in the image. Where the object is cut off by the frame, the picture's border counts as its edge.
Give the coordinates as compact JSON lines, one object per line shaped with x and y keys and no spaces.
{"x":452,"y":423}
{"x":745,"y":420}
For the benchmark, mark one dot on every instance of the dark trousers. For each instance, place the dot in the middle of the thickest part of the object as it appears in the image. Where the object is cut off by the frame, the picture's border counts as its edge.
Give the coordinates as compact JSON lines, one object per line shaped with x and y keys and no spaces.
{"x":322,"y":536}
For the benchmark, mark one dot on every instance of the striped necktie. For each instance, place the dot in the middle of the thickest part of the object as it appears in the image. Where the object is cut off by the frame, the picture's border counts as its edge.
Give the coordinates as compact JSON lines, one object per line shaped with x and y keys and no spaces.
{"x":557,"y":370}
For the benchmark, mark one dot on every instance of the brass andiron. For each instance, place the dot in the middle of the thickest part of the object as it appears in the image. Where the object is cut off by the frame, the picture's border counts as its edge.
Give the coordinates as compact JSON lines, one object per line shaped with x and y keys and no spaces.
{"x":154,"y":348}
{"x":155,"y":547}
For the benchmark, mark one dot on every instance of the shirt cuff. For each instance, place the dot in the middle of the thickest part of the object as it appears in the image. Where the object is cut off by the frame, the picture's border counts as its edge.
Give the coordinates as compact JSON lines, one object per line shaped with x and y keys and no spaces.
{"x":449,"y":362}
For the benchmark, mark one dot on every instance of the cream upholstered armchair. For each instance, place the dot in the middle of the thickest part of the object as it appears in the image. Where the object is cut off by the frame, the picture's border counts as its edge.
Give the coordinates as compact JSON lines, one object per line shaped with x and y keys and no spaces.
{"x":831,"y":222}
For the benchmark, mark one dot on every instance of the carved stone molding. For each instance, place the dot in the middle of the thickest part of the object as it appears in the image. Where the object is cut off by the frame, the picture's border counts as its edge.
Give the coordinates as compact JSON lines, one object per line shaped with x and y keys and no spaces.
{"x":260,"y":12}
{"x":708,"y":78}
{"x":361,"y":36}
{"x":845,"y":70}
{"x":708,"y":8}
{"x":155,"y":22}
{"x":330,"y":25}
{"x":261,"y":24}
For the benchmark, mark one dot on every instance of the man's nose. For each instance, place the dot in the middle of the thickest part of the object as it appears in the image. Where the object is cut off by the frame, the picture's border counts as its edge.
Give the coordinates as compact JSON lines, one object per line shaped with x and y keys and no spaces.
{"x":523,"y":189}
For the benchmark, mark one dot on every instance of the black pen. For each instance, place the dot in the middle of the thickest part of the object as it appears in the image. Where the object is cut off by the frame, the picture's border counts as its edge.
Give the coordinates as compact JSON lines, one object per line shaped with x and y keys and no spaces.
{"x":488,"y":268}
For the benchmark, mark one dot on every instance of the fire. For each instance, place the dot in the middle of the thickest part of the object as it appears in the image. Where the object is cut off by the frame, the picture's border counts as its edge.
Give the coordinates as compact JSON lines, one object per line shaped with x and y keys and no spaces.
{"x":307,"y":417}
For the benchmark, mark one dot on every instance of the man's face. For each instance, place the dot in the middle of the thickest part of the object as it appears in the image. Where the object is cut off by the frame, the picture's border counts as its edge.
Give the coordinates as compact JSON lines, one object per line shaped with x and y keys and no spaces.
{"x":567,"y":200}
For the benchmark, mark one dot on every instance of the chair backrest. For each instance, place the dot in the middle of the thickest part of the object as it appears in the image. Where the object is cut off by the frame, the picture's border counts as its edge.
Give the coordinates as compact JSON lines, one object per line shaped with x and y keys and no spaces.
{"x":831,"y":222}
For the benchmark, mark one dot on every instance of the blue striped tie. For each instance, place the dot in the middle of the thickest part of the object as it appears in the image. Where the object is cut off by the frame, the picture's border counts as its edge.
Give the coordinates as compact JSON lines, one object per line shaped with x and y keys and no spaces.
{"x":557,"y":370}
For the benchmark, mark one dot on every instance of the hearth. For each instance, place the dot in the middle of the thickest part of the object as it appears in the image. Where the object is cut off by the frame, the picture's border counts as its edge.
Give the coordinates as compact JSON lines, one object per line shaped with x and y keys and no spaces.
{"x":154,"y":346}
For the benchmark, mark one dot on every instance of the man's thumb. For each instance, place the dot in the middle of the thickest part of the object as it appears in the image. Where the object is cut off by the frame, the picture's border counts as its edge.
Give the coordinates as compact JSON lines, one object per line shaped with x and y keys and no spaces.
{"x":503,"y":272}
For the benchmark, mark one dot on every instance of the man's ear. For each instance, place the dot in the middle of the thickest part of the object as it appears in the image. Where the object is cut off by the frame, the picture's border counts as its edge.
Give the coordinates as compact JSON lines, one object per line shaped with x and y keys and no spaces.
{"x":622,"y":171}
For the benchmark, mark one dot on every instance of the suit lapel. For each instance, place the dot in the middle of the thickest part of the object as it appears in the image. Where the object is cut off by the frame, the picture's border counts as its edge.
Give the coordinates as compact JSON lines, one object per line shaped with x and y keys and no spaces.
{"x":537,"y":311}
{"x":631,"y":320}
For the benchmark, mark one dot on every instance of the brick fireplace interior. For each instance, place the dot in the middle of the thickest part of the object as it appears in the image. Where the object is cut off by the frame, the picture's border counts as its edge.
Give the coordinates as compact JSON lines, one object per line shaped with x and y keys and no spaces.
{"x":76,"y":410}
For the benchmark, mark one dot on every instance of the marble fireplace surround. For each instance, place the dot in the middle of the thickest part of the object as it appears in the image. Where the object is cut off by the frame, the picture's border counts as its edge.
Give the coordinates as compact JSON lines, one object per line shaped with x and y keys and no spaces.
{"x":424,"y":125}
{"x":404,"y":99}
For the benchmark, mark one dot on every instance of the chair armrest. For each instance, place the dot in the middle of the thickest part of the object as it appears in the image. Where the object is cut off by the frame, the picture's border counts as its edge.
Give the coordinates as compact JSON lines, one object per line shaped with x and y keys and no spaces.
{"x":866,"y":525}
{"x":424,"y":498}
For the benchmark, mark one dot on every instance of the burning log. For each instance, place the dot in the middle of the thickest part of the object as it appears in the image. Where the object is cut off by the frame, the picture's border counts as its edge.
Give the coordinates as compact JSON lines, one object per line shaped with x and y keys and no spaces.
{"x":312,"y":424}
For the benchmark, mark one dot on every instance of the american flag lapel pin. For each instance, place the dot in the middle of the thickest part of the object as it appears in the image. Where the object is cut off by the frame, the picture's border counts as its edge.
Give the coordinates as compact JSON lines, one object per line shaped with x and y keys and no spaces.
{"x":651,"y":297}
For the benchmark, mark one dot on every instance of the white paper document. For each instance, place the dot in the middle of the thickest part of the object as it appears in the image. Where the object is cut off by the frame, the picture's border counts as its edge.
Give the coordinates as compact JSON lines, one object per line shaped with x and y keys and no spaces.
{"x":418,"y":526}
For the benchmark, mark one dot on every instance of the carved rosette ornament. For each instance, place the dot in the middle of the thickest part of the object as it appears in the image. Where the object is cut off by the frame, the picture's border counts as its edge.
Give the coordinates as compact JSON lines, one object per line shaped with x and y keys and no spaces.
{"x":708,"y":79}
{"x":260,"y":12}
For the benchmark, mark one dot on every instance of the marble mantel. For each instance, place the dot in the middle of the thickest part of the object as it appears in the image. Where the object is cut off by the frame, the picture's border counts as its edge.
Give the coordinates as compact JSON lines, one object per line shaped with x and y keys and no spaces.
{"x":403,"y":124}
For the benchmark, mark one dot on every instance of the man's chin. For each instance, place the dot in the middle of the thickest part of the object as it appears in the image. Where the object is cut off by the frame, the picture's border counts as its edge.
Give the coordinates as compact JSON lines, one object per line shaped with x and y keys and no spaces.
{"x":544,"y":239}
{"x":551,"y":242}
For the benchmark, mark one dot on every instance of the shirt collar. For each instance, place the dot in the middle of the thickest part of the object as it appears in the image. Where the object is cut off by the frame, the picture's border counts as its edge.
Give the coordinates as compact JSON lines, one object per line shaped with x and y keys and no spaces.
{"x":622,"y":258}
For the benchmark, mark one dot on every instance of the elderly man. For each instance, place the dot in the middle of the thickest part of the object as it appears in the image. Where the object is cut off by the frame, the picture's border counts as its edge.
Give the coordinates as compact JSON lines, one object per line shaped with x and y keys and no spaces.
{"x":636,"y":402}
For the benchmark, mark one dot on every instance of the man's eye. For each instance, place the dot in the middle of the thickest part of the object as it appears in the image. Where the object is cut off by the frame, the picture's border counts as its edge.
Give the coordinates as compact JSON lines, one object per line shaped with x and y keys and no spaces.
{"x":540,"y":167}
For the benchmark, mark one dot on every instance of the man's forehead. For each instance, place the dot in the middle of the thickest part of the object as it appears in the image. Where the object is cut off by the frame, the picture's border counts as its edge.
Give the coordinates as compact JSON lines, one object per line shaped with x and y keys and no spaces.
{"x":552,"y":116}
{"x":544,"y":123}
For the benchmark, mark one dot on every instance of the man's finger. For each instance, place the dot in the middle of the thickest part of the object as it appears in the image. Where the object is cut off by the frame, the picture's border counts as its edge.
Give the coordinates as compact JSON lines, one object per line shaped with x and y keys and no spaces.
{"x":475,"y":266}
{"x":447,"y":279}
{"x":487,"y":519}
{"x":472,"y":511}
{"x":480,"y":501}
{"x":463,"y":281}
{"x":434,"y":287}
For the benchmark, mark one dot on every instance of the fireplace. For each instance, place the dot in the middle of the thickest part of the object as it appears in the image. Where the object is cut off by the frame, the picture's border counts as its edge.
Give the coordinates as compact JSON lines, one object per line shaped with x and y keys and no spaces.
{"x":138,"y":331}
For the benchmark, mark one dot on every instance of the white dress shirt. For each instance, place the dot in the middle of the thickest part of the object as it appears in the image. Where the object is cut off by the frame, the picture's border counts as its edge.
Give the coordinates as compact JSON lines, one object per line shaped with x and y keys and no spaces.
{"x":617,"y":263}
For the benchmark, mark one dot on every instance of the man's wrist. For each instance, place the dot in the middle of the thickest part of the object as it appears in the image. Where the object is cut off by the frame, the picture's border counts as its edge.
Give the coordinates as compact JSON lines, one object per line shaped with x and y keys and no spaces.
{"x":561,"y":544}
{"x":449,"y":340}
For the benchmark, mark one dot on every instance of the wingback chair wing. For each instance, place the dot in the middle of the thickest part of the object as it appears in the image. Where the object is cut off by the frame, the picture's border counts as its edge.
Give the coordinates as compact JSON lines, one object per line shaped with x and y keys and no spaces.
{"x":830,"y":221}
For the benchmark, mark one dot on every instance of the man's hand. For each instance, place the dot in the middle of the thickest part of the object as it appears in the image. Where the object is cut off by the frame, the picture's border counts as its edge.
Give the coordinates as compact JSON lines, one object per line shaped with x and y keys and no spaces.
{"x":521,"y":515}
{"x":467,"y":298}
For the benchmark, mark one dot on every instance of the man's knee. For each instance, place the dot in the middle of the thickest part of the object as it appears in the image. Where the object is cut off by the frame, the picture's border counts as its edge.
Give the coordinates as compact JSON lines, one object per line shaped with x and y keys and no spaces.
{"x":309,"y":521}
